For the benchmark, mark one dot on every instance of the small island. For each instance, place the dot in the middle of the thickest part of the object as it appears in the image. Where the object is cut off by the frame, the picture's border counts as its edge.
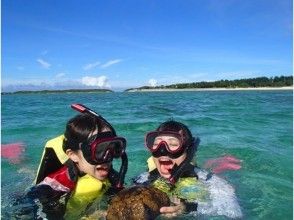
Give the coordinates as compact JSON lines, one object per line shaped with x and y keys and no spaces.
{"x":59,"y":91}
{"x":259,"y":83}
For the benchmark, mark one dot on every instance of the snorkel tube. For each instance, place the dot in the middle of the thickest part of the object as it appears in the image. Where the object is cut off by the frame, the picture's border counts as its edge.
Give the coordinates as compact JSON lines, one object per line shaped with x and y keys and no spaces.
{"x":178,"y":170}
{"x":122,"y":171}
{"x":85,"y":110}
{"x":118,"y":182}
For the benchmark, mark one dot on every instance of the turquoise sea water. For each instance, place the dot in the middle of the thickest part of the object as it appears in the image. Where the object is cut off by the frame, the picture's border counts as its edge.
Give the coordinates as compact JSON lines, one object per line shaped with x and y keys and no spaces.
{"x":254,"y":126}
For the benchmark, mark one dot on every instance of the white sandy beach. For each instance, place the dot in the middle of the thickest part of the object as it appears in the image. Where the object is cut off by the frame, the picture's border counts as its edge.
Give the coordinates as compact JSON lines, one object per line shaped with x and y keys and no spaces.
{"x":212,"y":89}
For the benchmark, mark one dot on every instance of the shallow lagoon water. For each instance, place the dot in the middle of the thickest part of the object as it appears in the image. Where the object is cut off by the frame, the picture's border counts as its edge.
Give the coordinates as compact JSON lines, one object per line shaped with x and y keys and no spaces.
{"x":254,"y":126}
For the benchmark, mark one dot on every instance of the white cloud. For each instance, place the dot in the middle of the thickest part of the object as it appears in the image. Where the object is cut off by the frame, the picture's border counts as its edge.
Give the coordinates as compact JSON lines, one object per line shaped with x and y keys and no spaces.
{"x":43,"y":63}
{"x":100,"y":81}
{"x":110,"y":63}
{"x":54,"y":83}
{"x":40,"y":84}
{"x":60,"y":75}
{"x":91,"y":65}
{"x":152,"y":82}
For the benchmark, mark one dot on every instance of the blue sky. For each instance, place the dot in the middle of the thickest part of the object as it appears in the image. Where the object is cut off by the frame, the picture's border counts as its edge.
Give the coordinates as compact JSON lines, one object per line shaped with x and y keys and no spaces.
{"x":52,"y":44}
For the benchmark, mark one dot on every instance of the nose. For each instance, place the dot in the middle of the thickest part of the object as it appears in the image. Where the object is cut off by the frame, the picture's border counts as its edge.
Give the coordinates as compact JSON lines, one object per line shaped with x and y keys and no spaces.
{"x":163,"y":148}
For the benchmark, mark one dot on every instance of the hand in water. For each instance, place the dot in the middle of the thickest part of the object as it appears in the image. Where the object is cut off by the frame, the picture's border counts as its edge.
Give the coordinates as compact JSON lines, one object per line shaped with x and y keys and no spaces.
{"x":177,"y":208}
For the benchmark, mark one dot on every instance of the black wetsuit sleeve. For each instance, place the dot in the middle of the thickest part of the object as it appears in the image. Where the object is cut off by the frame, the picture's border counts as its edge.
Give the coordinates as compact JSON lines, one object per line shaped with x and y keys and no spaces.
{"x":42,"y":202}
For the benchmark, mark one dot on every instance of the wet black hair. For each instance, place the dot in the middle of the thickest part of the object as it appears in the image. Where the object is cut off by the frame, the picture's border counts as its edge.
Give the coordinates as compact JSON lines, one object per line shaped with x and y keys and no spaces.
{"x":178,"y":127}
{"x":78,"y":129}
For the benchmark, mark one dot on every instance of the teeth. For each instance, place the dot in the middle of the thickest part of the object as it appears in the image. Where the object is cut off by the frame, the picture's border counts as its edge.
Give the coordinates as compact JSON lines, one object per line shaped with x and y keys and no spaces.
{"x":165,"y":160}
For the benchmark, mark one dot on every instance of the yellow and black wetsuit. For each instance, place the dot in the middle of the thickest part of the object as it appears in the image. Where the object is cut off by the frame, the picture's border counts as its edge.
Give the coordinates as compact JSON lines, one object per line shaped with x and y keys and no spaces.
{"x":61,"y":191}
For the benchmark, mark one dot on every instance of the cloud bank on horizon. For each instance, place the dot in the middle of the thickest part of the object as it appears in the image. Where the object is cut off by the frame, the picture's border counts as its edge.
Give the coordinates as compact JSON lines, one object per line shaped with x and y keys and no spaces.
{"x":100,"y":82}
{"x":147,"y":43}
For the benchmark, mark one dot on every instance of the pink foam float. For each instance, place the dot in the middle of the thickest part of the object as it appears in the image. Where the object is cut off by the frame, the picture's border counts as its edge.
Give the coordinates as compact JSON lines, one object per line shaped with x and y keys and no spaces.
{"x":222,"y":164}
{"x":12,"y":152}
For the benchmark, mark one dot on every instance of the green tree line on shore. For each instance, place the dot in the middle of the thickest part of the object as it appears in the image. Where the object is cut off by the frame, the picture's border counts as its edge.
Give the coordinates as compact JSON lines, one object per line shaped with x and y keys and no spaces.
{"x":59,"y":91}
{"x":277,"y":81}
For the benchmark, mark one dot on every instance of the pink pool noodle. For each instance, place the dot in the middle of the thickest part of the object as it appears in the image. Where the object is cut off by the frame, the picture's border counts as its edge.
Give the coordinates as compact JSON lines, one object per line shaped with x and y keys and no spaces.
{"x":222,"y":164}
{"x":226,"y":166}
{"x":12,"y":151}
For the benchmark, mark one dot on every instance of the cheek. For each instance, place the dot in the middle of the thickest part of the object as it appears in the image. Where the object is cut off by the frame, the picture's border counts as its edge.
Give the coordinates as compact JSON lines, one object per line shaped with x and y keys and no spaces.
{"x":88,"y":168}
{"x":84,"y":165}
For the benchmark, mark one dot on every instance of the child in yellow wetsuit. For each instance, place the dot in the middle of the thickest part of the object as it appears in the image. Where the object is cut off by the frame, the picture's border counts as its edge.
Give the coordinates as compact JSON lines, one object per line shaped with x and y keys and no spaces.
{"x":89,"y":144}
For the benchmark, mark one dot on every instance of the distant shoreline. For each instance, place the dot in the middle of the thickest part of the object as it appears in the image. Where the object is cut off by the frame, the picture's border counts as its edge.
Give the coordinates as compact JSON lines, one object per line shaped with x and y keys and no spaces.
{"x":67,"y":91}
{"x":213,"y":89}
{"x":147,"y":90}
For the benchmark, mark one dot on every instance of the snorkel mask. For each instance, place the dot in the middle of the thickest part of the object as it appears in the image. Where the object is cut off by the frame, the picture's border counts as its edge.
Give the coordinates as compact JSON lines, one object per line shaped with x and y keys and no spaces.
{"x":104,"y":147}
{"x":171,"y":144}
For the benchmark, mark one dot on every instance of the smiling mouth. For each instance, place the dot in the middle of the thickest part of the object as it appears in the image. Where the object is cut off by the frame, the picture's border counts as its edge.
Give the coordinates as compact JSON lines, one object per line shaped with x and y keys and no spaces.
{"x":102,"y":171}
{"x":166,"y":165}
{"x":102,"y":168}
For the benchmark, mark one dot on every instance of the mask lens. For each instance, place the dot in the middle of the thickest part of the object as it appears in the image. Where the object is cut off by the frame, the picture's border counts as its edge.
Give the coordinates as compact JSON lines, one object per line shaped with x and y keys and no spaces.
{"x":107,"y":149}
{"x":172,"y":141}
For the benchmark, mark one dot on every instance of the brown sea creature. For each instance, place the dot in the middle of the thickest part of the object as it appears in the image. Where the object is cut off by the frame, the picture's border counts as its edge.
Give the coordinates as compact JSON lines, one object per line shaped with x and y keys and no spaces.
{"x":137,"y":203}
